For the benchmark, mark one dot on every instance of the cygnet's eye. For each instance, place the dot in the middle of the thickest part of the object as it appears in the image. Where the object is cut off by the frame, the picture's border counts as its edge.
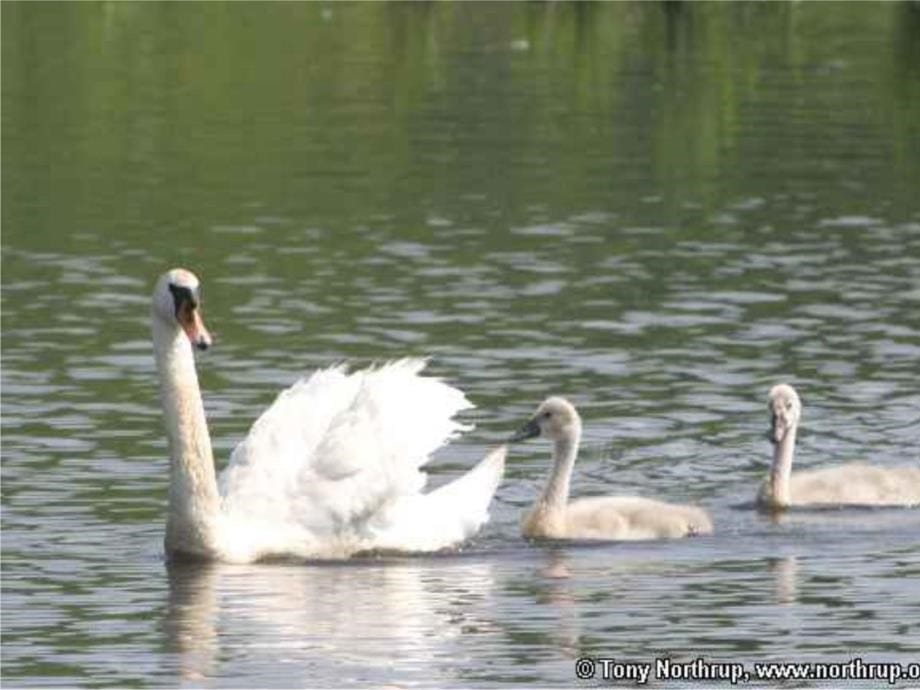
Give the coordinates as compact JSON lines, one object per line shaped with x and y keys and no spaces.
{"x":547,"y":414}
{"x":788,"y":404}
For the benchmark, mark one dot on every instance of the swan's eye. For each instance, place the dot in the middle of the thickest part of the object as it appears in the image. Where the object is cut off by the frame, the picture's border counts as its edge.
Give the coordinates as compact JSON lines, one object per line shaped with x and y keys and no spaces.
{"x":547,"y":414}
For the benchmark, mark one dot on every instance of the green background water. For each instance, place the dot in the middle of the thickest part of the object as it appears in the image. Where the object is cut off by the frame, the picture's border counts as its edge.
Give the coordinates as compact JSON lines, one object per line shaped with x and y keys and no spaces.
{"x":658,"y":210}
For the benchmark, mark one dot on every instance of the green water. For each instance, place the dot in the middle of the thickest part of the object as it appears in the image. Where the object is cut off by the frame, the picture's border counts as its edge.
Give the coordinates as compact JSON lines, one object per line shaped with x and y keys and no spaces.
{"x":656,"y":210}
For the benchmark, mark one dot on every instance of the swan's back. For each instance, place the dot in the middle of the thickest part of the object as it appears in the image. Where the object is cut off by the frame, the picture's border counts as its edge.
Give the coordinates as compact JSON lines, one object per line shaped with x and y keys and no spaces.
{"x":337,"y":451}
{"x":633,"y":517}
{"x":622,"y":518}
{"x":856,"y":484}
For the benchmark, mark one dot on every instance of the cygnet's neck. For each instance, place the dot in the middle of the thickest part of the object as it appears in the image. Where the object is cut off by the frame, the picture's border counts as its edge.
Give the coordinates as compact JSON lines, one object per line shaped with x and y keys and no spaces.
{"x":565,"y":448}
{"x":781,"y":469}
{"x":194,"y":500}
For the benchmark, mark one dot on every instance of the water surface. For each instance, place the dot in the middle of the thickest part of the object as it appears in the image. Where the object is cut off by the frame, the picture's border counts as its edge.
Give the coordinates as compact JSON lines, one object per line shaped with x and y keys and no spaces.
{"x":658,"y":211}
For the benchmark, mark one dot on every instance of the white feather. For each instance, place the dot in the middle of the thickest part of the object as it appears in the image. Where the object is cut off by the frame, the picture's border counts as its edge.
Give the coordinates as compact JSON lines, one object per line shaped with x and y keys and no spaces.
{"x":336,"y":462}
{"x":447,"y":515}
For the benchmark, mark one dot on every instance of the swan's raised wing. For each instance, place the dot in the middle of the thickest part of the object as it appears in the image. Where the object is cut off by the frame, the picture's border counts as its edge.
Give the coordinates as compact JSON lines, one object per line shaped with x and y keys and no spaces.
{"x":337,"y":447}
{"x":444,"y":517}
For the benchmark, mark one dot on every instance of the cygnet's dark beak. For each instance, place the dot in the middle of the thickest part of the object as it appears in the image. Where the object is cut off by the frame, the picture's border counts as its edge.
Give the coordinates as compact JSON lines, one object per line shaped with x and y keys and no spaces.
{"x":530,"y":430}
{"x":778,"y":429}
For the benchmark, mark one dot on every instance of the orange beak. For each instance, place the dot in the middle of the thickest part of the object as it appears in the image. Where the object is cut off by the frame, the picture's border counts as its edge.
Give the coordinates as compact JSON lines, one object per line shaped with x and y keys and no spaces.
{"x":190,"y":318}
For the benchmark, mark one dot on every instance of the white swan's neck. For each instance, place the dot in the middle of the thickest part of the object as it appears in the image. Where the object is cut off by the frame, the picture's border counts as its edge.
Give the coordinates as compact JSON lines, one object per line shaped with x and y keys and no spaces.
{"x":781,"y":469}
{"x":194,"y":501}
{"x":555,"y":495}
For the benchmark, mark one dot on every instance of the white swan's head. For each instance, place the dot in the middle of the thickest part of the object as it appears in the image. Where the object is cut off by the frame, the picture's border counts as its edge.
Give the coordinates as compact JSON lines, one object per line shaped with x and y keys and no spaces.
{"x":556,"y":418}
{"x":785,"y":411}
{"x":177,"y":301}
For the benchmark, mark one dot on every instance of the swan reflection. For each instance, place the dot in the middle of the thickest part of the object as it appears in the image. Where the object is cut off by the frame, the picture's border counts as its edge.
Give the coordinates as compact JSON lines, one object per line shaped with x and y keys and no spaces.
{"x":557,"y":591}
{"x":348,"y":622}
{"x":785,"y":573}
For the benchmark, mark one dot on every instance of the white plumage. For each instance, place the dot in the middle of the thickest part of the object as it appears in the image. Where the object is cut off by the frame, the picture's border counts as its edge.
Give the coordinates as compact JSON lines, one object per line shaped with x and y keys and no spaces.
{"x":331,"y":468}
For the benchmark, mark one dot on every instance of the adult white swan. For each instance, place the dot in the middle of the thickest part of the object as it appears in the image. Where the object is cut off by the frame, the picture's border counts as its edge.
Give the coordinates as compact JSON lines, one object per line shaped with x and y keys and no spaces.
{"x":596,"y":517}
{"x":854,"y":483}
{"x":330,"y":469}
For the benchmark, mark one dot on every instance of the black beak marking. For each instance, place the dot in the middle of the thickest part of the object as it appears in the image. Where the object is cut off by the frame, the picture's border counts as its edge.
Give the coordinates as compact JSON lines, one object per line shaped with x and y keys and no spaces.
{"x":530,"y":430}
{"x":182,"y":294}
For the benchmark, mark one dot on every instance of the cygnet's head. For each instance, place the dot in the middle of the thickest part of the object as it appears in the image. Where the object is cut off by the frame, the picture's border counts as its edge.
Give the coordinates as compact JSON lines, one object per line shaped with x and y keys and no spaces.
{"x":785,"y":411}
{"x":556,"y":418}
{"x":177,"y":301}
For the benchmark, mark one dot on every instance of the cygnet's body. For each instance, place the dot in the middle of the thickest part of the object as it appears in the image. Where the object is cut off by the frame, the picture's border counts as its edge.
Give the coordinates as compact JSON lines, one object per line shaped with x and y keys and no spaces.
{"x":851,"y":484}
{"x":596,"y":517}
